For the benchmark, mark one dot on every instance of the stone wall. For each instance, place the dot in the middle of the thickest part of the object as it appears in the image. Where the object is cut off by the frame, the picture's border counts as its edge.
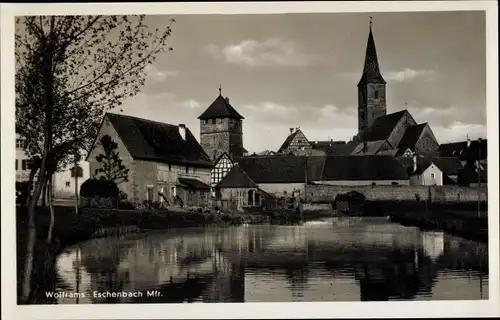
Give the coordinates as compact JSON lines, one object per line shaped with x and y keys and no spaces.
{"x":325,"y":193}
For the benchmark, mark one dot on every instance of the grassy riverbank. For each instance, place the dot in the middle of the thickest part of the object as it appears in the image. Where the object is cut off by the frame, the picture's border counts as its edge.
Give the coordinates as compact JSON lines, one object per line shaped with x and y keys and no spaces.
{"x":70,"y":228}
{"x":462,"y":224}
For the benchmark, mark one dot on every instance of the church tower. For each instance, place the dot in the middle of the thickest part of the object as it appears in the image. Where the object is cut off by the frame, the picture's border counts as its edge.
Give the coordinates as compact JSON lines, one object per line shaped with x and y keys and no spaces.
{"x":371,"y":88}
{"x":221,"y":129}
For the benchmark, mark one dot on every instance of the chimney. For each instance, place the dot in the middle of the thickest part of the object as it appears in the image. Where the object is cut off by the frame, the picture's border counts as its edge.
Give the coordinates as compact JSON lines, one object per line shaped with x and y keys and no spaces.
{"x":182,"y":131}
{"x":365,"y":147}
{"x":414,"y":163}
{"x":291,"y":130}
{"x":227,"y":99}
{"x":468,"y":141}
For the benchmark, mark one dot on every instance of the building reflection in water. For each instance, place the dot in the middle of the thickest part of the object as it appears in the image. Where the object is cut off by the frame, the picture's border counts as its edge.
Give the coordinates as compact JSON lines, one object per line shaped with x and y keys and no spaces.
{"x":367,"y":260}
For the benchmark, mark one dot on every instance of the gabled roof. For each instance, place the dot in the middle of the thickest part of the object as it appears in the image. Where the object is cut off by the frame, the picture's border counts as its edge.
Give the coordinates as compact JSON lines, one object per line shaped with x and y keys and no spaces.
{"x":450,"y":166}
{"x":274,"y":169}
{"x":341,"y":149}
{"x":372,"y":147}
{"x":460,"y":149}
{"x":222,"y":156}
{"x":292,"y":169}
{"x":289,"y":139}
{"x":411,"y":136}
{"x":237,"y":178}
{"x":370,"y":167}
{"x":220,"y":108}
{"x":382,"y":127}
{"x":158,"y":141}
{"x":371,"y":69}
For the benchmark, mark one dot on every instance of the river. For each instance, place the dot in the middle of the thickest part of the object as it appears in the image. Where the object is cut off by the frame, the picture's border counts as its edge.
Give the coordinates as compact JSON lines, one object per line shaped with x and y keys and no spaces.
{"x":339,"y":259}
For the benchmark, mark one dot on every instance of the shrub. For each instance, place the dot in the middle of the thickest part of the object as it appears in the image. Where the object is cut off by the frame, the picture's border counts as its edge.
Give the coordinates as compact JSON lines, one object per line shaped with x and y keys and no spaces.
{"x":94,"y":188}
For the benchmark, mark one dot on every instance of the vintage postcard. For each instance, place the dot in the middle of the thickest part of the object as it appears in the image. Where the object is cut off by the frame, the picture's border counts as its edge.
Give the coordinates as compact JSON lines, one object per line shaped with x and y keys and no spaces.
{"x":258,"y":160}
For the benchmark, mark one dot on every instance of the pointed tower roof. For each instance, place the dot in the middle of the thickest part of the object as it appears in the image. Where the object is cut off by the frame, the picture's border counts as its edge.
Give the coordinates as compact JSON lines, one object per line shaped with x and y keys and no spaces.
{"x":371,"y":69}
{"x":220,"y":108}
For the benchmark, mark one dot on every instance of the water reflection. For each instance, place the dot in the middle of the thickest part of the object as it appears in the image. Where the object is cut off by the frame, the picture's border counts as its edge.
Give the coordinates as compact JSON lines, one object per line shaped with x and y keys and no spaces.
{"x":340,"y":260}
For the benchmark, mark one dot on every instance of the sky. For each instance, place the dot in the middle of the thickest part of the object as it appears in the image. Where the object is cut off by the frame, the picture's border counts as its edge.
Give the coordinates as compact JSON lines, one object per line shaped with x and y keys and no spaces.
{"x":301,"y":70}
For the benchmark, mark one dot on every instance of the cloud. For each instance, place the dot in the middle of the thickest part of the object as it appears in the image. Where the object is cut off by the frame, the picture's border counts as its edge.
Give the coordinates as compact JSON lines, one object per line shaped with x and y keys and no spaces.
{"x":267,"y":124}
{"x":191,"y":104}
{"x":158,"y":75}
{"x":269,"y":53}
{"x":459,"y":131}
{"x":453,"y":123}
{"x":407,"y":75}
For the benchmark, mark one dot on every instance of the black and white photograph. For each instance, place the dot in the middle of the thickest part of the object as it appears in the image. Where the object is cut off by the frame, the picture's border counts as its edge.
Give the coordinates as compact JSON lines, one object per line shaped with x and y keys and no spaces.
{"x":229,"y":155}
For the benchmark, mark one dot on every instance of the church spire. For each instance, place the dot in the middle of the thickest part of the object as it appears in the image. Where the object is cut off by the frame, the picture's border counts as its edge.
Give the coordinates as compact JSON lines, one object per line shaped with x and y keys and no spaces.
{"x":371,"y":69}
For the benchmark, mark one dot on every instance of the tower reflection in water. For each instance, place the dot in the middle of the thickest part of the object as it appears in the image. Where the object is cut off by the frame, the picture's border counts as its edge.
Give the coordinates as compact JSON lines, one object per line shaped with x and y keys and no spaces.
{"x":360,"y":260}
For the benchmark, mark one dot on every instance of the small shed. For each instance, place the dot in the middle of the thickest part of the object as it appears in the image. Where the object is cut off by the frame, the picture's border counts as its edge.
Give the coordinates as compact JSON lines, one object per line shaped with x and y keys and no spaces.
{"x":351,"y":203}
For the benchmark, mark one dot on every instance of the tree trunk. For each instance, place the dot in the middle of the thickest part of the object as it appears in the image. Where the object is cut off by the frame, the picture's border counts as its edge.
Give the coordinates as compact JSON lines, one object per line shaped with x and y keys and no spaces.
{"x":51,"y":208}
{"x":48,"y":82}
{"x":44,"y":195}
{"x":30,"y":246}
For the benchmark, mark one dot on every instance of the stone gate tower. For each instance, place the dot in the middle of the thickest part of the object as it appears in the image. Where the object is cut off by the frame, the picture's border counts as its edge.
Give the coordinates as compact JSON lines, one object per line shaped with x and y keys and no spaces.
{"x":221,"y":129}
{"x":371,"y":88}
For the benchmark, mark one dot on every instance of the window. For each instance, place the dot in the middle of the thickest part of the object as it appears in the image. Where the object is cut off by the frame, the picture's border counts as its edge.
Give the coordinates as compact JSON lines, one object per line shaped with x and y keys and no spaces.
{"x":149,"y":194}
{"x":23,"y":165}
{"x":374,"y":184}
{"x":206,"y":121}
{"x":213,"y":121}
{"x":68,"y":183}
{"x":78,"y":172}
{"x":395,"y":183}
{"x":16,"y":165}
{"x":169,"y":167}
{"x":433,"y":175}
{"x":20,"y":144}
{"x":187,"y":169}
{"x":29,"y":164}
{"x":250,"y":197}
{"x":376,"y":94}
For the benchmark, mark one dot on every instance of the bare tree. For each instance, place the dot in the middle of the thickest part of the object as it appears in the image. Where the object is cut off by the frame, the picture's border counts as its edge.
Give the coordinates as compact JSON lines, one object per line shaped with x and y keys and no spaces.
{"x":69,"y":71}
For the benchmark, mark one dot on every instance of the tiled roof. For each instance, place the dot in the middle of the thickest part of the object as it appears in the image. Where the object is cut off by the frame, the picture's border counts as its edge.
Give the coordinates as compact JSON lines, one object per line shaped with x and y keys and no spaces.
{"x":157,"y":141}
{"x":194,"y":184}
{"x":274,"y":169}
{"x":220,"y":108}
{"x":371,"y":69}
{"x":289,"y":140}
{"x":382,"y":127}
{"x":411,"y":136}
{"x":237,"y":178}
{"x":451,"y":166}
{"x":448,"y":165}
{"x":459,"y":149}
{"x":315,"y":167}
{"x":370,"y":167}
{"x":341,"y":149}
{"x":292,"y":169}
{"x":372,"y":147}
